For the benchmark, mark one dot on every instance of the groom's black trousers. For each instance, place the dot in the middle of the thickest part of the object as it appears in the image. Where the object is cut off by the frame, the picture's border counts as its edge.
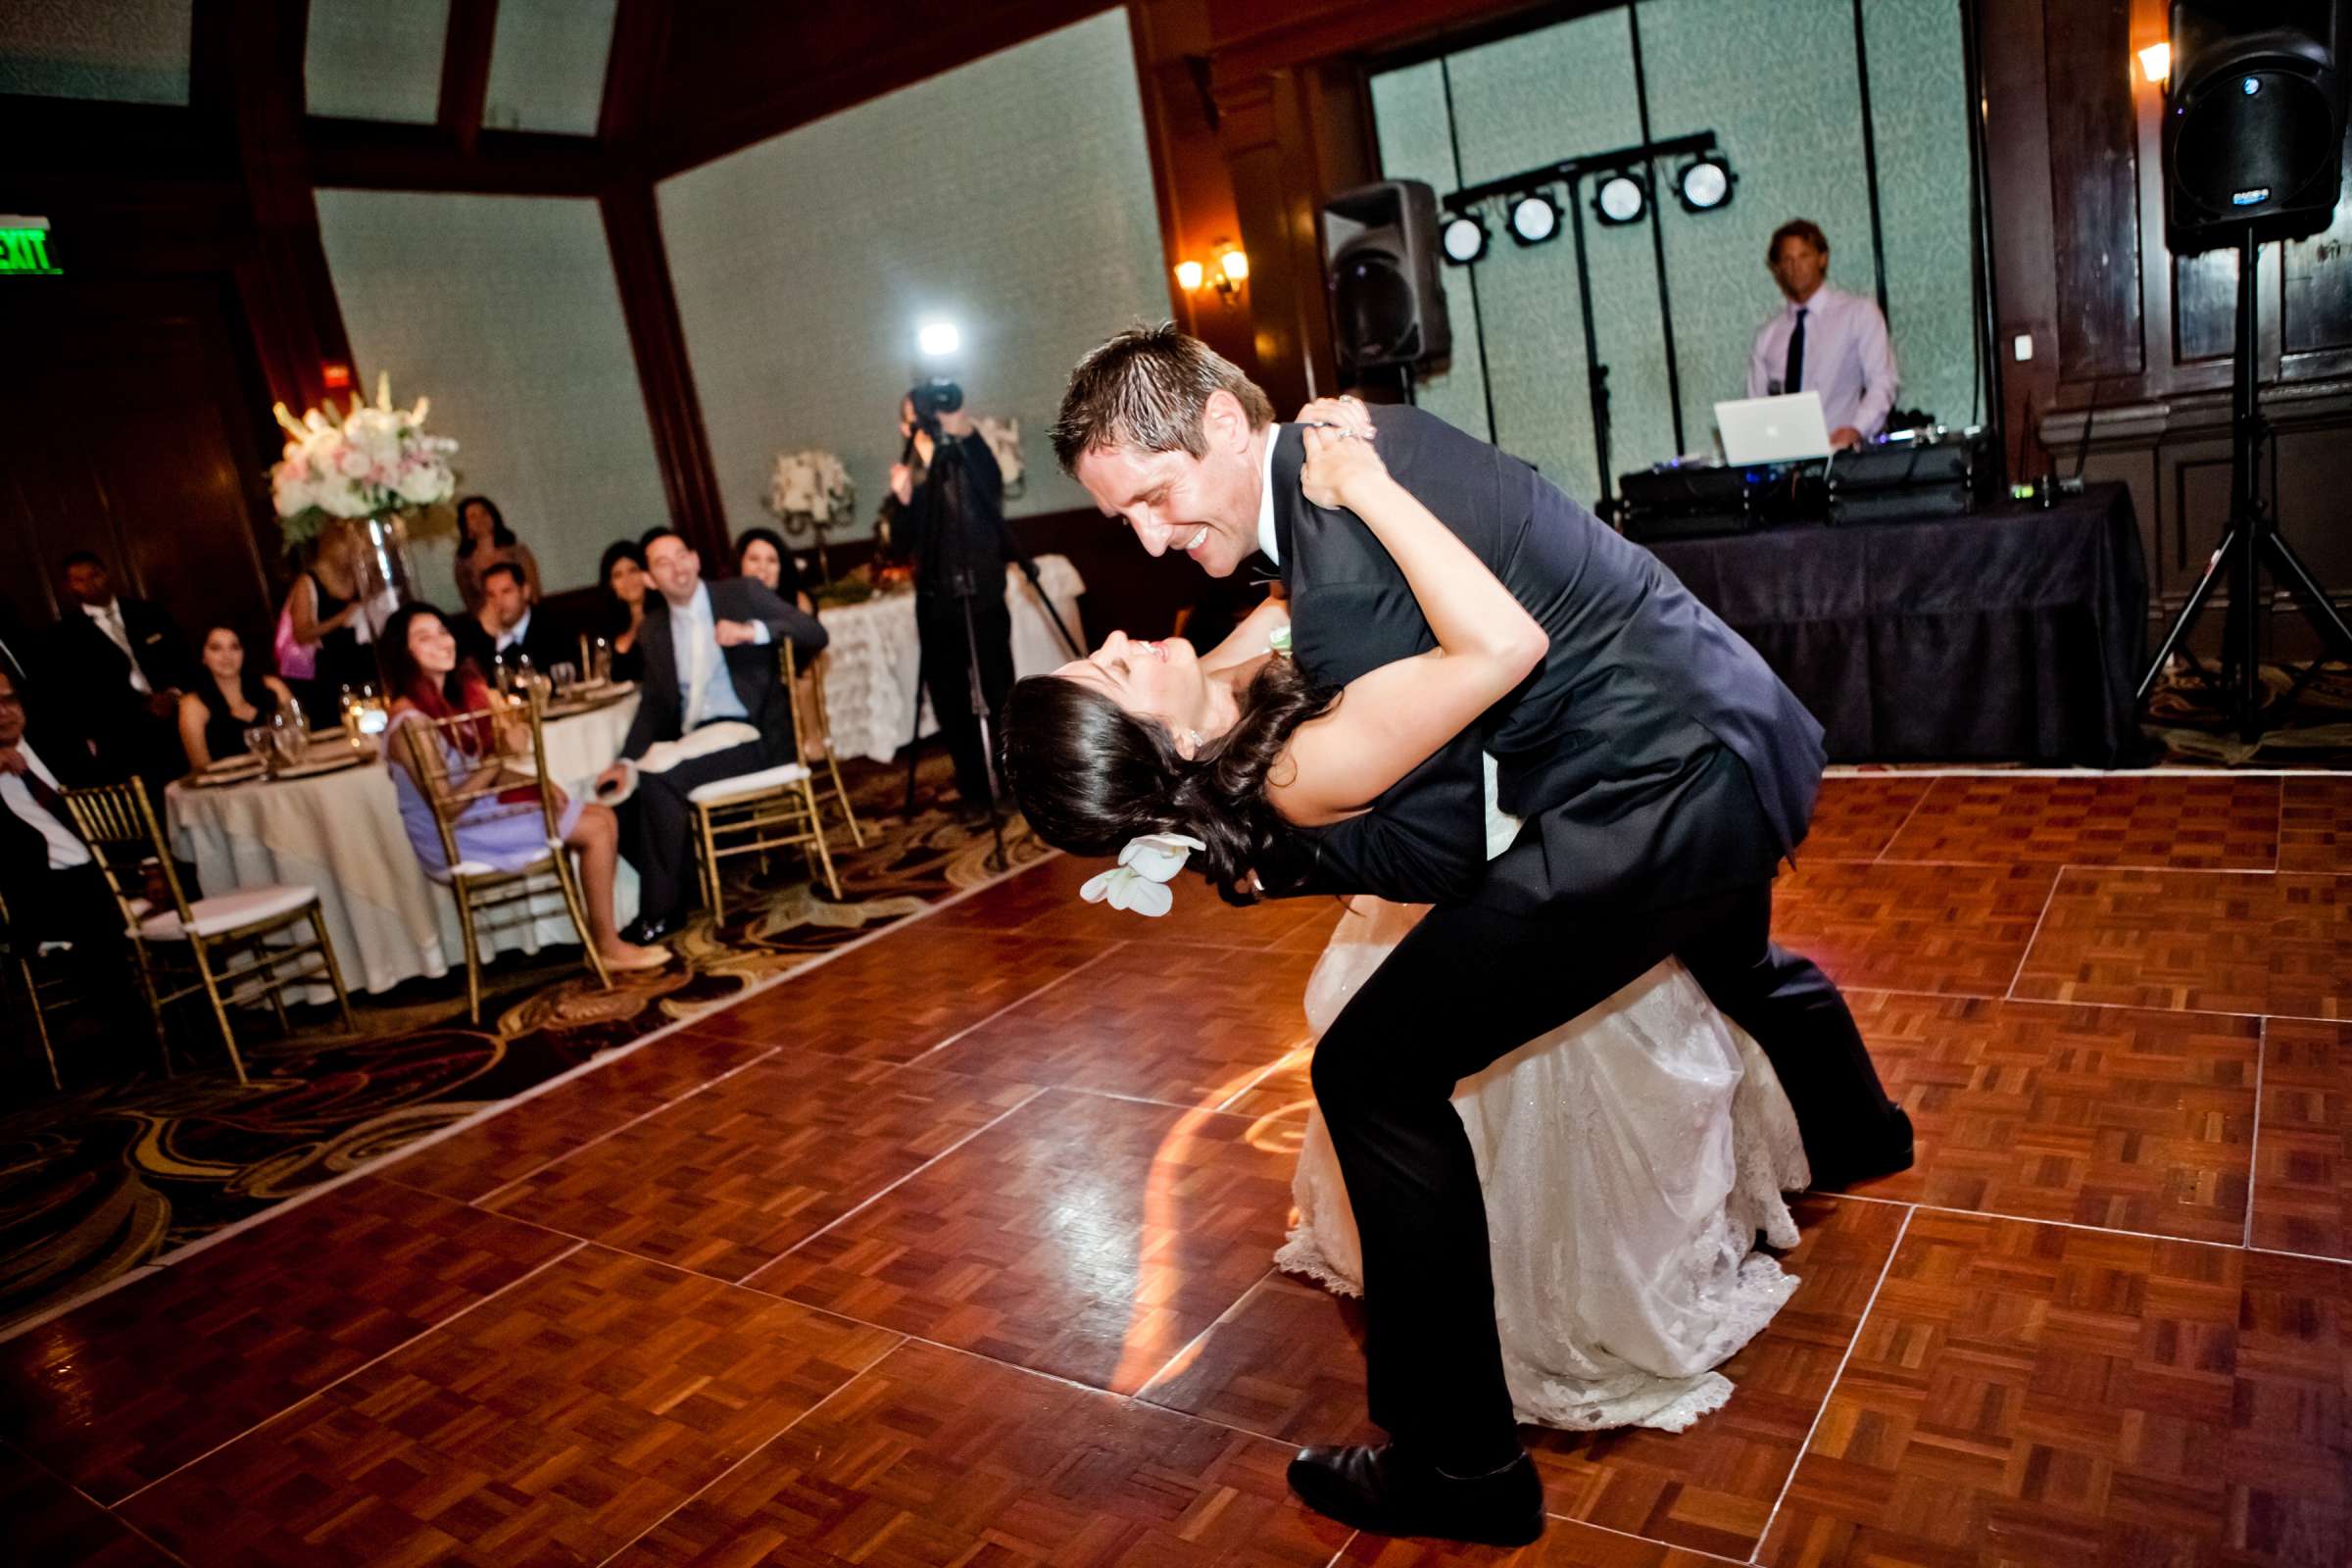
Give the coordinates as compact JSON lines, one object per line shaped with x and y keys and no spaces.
{"x":1469,"y":985}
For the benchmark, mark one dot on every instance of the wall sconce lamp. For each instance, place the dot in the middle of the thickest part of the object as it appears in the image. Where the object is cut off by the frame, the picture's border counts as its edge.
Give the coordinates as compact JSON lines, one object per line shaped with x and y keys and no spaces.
{"x":1233,"y":271}
{"x":2156,"y":60}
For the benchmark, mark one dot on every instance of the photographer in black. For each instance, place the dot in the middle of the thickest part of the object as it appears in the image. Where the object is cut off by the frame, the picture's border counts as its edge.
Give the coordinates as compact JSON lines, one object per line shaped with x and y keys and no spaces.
{"x":950,"y":522}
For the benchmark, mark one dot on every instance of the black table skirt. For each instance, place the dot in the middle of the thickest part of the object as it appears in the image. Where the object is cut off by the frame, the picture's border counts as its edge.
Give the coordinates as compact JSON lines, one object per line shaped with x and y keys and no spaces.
{"x":2017,"y":634}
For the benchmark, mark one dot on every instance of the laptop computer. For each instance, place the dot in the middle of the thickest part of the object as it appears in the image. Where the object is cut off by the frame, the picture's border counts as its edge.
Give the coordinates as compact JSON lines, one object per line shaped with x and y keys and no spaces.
{"x":1782,"y":429}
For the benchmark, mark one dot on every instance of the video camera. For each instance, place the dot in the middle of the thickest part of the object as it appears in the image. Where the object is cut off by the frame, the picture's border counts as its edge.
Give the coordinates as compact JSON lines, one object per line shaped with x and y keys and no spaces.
{"x":933,"y":398}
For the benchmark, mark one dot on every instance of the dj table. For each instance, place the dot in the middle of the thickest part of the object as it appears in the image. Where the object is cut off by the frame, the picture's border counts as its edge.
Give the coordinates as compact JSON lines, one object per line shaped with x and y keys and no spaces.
{"x":2016,"y":633}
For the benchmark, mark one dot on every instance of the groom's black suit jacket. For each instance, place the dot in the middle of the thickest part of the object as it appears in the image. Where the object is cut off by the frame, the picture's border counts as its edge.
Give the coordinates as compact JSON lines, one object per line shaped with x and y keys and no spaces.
{"x":1653,"y":756}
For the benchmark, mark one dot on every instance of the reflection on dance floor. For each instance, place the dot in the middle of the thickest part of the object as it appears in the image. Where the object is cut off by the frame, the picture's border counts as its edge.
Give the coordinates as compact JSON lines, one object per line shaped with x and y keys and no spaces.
{"x":958,"y":1245}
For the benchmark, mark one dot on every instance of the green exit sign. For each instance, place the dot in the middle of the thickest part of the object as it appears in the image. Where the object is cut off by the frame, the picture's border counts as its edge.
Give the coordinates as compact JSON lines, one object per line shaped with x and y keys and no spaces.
{"x":24,"y":248}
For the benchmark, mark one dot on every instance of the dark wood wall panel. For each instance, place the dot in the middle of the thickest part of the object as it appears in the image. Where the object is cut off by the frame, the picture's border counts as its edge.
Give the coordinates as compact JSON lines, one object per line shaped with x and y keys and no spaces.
{"x":2096,"y":202}
{"x":2314,"y":311}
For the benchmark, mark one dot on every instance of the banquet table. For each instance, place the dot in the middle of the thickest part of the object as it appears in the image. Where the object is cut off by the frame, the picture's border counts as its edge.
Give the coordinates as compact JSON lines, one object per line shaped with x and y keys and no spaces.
{"x":341,"y":834}
{"x":874,"y":663}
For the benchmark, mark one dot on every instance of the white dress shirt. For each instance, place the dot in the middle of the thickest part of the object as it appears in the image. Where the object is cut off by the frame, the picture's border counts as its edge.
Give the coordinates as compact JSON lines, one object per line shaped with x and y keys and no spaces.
{"x":65,"y":845}
{"x":1848,"y":358}
{"x":1265,"y":499}
{"x":513,"y":634}
{"x":109,"y":617}
{"x":694,"y":638}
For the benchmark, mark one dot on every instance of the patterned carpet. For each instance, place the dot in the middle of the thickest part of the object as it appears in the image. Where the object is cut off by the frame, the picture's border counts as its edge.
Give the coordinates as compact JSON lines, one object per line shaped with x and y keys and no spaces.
{"x":126,"y":1165}
{"x":2186,"y":716}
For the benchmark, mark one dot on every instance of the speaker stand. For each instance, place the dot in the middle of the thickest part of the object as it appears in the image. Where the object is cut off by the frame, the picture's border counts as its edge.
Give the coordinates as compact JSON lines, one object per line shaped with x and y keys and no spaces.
{"x":2250,"y":545}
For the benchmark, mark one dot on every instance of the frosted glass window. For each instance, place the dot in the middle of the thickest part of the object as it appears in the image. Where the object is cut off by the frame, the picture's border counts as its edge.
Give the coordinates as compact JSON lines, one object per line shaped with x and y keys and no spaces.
{"x":128,"y":51}
{"x":503,"y":311}
{"x":1723,"y":66}
{"x":1013,"y":195}
{"x":547,"y":65}
{"x":372,"y":60}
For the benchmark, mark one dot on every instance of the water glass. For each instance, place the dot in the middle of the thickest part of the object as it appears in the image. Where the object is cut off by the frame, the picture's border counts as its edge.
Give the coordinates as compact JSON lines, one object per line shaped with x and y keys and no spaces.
{"x":257,"y":741}
{"x":565,"y":676}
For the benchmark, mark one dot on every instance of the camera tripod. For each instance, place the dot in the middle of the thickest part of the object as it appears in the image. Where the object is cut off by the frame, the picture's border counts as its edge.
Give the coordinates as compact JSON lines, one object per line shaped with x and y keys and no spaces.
{"x":951,"y":494}
{"x":2249,"y":544}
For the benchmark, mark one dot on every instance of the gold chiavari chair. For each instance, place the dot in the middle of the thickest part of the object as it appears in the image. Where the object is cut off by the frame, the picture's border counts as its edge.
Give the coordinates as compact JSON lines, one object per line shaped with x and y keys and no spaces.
{"x":215,"y":933}
{"x":813,"y":722}
{"x":510,"y":763}
{"x":752,"y":813}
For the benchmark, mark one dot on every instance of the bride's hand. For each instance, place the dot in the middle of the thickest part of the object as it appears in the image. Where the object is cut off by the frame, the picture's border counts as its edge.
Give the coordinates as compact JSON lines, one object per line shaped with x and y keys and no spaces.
{"x":1349,"y":414}
{"x":1336,"y":465}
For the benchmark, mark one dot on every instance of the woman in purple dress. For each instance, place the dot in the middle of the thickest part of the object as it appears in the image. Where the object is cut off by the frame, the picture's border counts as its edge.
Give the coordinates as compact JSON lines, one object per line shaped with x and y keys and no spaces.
{"x":505,"y":830}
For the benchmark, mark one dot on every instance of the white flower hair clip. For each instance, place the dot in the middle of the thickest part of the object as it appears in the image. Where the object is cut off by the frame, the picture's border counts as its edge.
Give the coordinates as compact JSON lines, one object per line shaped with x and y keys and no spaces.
{"x":1140,"y":881}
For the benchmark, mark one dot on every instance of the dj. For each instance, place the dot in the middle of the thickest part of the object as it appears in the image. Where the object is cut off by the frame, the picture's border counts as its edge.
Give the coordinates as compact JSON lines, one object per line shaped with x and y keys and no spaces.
{"x":1825,"y":340}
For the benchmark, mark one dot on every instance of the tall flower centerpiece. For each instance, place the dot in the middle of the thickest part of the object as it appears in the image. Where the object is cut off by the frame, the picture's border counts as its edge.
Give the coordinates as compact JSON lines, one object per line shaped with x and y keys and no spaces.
{"x":375,"y":467}
{"x":811,"y":492}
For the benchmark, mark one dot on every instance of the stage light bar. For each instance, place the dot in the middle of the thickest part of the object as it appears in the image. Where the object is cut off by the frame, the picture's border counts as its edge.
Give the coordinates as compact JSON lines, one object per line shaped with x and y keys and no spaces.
{"x":1705,"y":184}
{"x":1622,"y":198}
{"x":1464,"y":239}
{"x":1535,"y":217}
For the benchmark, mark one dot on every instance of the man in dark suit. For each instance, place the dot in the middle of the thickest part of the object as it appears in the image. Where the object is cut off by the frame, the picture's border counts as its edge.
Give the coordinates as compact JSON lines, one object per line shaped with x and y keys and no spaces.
{"x":116,"y":668}
{"x":1662,"y":773}
{"x":509,"y":629}
{"x":709,"y":656}
{"x":48,"y":879}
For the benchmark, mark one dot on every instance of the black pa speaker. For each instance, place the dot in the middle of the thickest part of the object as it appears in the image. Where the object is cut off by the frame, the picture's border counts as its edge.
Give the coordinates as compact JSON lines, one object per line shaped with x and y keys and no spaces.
{"x":2254,"y":118}
{"x":1380,"y":258}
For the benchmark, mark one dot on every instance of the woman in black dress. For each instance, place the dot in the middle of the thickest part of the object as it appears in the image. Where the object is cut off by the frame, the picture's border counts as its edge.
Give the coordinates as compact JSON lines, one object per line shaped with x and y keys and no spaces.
{"x":227,"y":700}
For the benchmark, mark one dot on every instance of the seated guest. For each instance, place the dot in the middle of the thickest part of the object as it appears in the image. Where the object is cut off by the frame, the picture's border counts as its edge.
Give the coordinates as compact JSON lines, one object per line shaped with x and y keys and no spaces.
{"x":622,"y":574}
{"x":1824,"y":340}
{"x":427,"y":680}
{"x":119,"y":666}
{"x":708,"y":655}
{"x":323,"y":613}
{"x":483,"y":541}
{"x":509,"y":629}
{"x":48,"y":878}
{"x":760,"y":556}
{"x":228,"y":698}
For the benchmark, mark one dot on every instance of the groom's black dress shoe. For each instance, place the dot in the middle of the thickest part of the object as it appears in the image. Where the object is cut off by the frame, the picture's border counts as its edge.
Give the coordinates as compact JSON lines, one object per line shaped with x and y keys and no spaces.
{"x":1389,"y":1493}
{"x":1890,"y":1154}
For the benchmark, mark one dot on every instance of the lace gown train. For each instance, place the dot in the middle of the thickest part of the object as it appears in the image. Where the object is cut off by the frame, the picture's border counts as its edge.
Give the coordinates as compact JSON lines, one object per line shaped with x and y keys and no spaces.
{"x":1628,"y":1160}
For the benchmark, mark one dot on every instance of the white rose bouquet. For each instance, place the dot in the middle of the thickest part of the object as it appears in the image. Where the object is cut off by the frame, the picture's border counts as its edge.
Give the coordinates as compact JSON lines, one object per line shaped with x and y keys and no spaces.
{"x":1004,"y":438}
{"x":811,"y":487}
{"x":359,"y":462}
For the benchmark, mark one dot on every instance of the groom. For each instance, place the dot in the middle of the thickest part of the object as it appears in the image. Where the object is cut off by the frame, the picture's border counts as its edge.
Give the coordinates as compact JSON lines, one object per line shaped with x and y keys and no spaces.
{"x":1662,"y":773}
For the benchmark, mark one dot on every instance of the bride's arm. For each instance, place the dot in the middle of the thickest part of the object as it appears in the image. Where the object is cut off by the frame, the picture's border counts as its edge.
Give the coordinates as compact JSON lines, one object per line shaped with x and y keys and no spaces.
{"x":1250,"y":638}
{"x":1390,"y":720}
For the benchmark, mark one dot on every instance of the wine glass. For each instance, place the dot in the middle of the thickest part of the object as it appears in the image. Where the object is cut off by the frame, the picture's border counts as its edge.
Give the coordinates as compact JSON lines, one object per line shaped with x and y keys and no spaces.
{"x":600,"y":660}
{"x":565,"y":676}
{"x":257,"y":741}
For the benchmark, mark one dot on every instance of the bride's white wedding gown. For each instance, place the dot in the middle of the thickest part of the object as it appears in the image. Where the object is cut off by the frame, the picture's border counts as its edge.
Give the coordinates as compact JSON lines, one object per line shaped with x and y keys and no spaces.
{"x":1629,"y":1159}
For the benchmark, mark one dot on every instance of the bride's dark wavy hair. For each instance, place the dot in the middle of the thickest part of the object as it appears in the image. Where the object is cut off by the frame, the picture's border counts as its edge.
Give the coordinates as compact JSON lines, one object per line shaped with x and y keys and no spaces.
{"x":1089,"y":775}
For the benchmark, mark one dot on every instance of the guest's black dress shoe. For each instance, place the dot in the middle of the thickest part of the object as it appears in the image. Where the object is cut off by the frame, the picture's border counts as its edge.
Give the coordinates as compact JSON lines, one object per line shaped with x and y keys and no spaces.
{"x":1892,"y":1152}
{"x":1389,"y":1493}
{"x":646,"y":929}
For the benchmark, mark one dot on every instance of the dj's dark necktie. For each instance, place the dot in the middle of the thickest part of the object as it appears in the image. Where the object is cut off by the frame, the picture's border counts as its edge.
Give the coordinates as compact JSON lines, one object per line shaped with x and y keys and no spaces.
{"x":1794,"y":378}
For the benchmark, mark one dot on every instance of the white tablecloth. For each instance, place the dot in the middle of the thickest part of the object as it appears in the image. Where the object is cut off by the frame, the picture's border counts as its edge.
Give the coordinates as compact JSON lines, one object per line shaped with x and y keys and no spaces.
{"x":340,"y":833}
{"x":874,"y":665}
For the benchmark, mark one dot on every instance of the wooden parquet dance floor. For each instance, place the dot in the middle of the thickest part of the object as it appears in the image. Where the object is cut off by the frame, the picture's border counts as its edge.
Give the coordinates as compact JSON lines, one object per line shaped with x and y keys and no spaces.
{"x":956,"y":1250}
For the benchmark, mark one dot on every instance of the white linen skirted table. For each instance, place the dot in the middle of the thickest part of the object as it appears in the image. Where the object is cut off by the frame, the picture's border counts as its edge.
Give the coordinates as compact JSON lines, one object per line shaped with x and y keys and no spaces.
{"x":873,"y":671}
{"x":340,"y":833}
